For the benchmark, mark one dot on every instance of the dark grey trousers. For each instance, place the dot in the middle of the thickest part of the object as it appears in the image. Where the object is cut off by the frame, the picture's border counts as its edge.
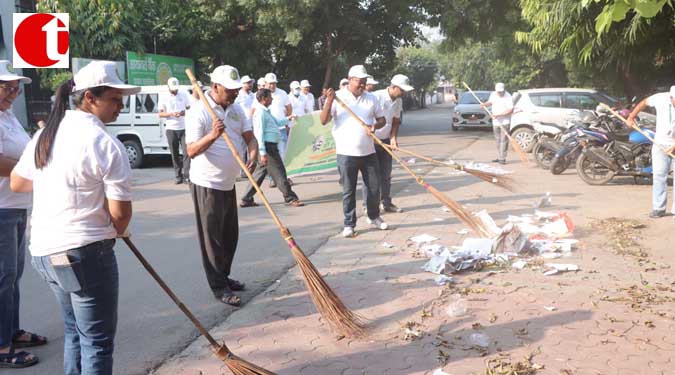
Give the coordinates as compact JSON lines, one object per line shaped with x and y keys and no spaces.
{"x":275,"y":167}
{"x":502,"y":141}
{"x":181,"y":164}
{"x":218,"y":232}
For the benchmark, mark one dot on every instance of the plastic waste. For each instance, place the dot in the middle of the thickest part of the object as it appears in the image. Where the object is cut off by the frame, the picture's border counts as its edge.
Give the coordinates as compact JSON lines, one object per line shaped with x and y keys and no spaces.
{"x":457,"y":307}
{"x":479,"y":339}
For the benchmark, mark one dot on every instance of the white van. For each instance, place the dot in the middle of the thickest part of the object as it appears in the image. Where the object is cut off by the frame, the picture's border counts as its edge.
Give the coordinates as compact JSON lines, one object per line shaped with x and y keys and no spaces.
{"x":139,"y":127}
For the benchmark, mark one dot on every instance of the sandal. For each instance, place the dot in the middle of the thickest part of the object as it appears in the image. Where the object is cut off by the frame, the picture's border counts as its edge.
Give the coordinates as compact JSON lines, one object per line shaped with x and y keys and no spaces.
{"x":17,"y":359}
{"x":230,"y":299}
{"x":244,"y":204}
{"x":235,"y":285}
{"x":35,"y":340}
{"x":295,"y":203}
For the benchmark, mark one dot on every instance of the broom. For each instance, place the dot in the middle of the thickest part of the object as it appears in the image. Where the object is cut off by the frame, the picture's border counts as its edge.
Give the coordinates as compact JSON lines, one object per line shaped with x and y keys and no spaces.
{"x":237,"y":365}
{"x":501,"y":180}
{"x":328,"y":304}
{"x":459,"y":211}
{"x":636,"y":127}
{"x":522,"y":155}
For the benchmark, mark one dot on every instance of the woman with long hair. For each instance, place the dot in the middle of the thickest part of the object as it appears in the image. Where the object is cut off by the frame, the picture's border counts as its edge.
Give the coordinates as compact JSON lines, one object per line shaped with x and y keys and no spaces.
{"x":81,"y":182}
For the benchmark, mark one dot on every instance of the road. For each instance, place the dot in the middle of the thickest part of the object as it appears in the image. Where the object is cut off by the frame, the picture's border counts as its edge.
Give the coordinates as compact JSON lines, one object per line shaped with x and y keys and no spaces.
{"x":150,"y":327}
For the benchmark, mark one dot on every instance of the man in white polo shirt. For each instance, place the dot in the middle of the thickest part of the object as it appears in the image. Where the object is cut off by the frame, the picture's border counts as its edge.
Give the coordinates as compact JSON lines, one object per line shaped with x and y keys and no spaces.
{"x":172,"y":107}
{"x":246,"y":97}
{"x":305,"y":86}
{"x":300,"y":104}
{"x":214,"y":170}
{"x":371,"y":83}
{"x":280,"y":109}
{"x":392,"y":105}
{"x":502,"y":108}
{"x":354,"y":146}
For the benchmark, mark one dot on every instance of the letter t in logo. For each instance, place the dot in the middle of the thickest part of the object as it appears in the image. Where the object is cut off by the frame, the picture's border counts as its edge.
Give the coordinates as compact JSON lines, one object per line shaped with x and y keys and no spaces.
{"x":52,"y":28}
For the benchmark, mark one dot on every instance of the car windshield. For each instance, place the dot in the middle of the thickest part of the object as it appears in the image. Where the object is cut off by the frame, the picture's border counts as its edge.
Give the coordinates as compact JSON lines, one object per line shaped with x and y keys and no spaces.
{"x":605,"y":98}
{"x":467,"y":98}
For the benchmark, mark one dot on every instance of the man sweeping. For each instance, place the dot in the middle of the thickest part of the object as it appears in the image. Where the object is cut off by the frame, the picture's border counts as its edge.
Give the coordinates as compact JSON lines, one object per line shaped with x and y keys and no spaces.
{"x":502,"y":108}
{"x":172,"y":107}
{"x":213,"y":173}
{"x":390,"y":99}
{"x":355,"y":147}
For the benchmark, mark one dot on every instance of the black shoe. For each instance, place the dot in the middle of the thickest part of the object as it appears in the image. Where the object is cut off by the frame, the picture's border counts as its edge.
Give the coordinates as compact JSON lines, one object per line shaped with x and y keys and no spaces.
{"x":273,"y":184}
{"x":495,"y":160}
{"x":657,"y":214}
{"x":392,"y":208}
{"x":235,"y":285}
{"x":186,"y":180}
{"x":179,"y":180}
{"x":502,"y":162}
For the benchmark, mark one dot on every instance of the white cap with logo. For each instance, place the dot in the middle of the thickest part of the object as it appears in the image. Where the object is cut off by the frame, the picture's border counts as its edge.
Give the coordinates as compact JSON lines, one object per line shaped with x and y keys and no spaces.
{"x":261,"y":81}
{"x":173,"y":83}
{"x":227,"y":76}
{"x":357,"y":71}
{"x":101,"y":73}
{"x":401,"y":81}
{"x":343,"y":82}
{"x":246,"y":79}
{"x":295,"y":85}
{"x":499,"y":87}
{"x":305,"y":83}
{"x":7,"y":73}
{"x":271,"y":78}
{"x":371,"y":81}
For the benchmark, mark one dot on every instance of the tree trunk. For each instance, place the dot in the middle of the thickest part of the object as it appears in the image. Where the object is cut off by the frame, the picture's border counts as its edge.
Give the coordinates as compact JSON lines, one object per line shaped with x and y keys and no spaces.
{"x":631,"y":86}
{"x":328,"y":74}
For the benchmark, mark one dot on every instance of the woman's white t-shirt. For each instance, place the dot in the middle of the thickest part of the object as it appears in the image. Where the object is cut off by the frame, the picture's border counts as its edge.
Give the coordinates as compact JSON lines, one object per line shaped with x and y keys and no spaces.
{"x":13,"y":140}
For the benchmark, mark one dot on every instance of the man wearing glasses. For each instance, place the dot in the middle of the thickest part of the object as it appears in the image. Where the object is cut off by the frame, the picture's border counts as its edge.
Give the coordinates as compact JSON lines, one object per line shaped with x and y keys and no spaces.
{"x":354,"y":146}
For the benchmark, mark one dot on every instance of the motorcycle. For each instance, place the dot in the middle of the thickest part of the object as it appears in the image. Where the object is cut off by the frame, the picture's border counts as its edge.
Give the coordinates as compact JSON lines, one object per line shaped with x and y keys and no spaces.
{"x":609,"y":153}
{"x":569,"y":151}
{"x":547,"y":142}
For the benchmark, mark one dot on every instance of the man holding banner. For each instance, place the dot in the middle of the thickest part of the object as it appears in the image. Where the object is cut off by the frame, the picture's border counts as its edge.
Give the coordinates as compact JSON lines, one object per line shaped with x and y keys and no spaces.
{"x":355,"y":147}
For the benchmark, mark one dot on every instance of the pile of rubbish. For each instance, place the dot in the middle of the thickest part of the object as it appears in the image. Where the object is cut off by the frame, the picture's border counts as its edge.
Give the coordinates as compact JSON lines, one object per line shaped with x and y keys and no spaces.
{"x":544,"y":234}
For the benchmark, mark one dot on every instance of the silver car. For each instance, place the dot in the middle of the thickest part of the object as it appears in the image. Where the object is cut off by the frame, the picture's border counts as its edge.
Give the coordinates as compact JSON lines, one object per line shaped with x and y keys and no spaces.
{"x":468,"y":113}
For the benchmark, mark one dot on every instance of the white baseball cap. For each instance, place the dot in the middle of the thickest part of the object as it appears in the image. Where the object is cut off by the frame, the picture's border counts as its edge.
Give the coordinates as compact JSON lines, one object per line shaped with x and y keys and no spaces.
{"x":7,"y":73}
{"x":295,"y":85}
{"x":305,"y":83}
{"x":173,"y":83}
{"x":227,"y":76}
{"x":343,"y":82}
{"x":401,"y":81}
{"x":101,"y":73}
{"x":672,"y":91}
{"x":499,"y":87}
{"x":271,"y":78}
{"x":261,"y":81}
{"x":371,"y":81}
{"x":358,"y":71}
{"x":246,"y":79}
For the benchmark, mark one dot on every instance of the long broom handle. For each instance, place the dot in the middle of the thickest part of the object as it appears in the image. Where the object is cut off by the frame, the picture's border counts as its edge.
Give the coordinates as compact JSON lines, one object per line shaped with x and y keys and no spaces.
{"x":636,"y":127}
{"x":242,"y":165}
{"x":457,"y":166}
{"x":370,"y":133}
{"x":214,"y":344}
{"x":513,"y":141}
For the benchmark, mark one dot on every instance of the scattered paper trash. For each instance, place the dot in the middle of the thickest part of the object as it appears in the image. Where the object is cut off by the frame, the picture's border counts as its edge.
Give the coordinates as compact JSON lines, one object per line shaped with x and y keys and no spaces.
{"x":488,"y":222}
{"x":438,"y":219}
{"x":433,"y":250}
{"x":423,"y":238}
{"x":545,"y":201}
{"x":550,"y":308}
{"x":387,"y":245}
{"x":519,"y":265}
{"x":440,"y":372}
{"x":445,"y":209}
{"x":435,"y":265}
{"x":479,"y":339}
{"x":551,"y":255}
{"x":411,"y":161}
{"x":464,"y":231}
{"x":443,"y":279}
{"x":554,"y":268}
{"x":457,"y":307}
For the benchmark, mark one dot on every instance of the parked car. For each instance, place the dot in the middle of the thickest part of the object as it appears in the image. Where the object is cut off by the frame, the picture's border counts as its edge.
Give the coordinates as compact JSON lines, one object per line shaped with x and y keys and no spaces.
{"x":555,"y":105}
{"x":139,"y":127}
{"x":468,"y":113}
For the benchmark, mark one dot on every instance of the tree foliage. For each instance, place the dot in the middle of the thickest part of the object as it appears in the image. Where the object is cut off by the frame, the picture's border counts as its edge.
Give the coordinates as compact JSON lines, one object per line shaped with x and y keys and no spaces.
{"x":421,"y":67}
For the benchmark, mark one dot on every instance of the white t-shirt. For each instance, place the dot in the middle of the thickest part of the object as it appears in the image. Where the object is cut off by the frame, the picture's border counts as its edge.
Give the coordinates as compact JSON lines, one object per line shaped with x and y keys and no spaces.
{"x":174,"y":103}
{"x":351,"y":138}
{"x":87,"y":166}
{"x":311,"y":99}
{"x":300,"y":104}
{"x":391,"y":108}
{"x":216,"y":168}
{"x":279,"y":102}
{"x":13,"y":140}
{"x":665,"y":118}
{"x":245,"y":100}
{"x":500,"y":104}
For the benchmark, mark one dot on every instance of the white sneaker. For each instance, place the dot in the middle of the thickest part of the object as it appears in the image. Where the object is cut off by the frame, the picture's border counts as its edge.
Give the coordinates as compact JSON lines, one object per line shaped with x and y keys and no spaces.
{"x":378,"y":223}
{"x":348,"y":232}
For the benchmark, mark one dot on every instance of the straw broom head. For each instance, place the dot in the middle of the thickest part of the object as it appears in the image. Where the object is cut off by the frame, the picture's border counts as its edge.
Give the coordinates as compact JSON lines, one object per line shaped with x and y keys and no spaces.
{"x":237,"y":365}
{"x":501,"y":180}
{"x":459,"y":211}
{"x":339,"y":317}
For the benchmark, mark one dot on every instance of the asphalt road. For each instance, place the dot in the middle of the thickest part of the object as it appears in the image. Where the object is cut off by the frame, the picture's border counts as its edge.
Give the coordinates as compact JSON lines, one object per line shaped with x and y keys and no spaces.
{"x":150,"y":327}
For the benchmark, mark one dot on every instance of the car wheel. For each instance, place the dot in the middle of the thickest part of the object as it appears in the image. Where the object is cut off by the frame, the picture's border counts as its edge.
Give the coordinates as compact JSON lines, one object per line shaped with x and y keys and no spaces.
{"x":454,"y":128}
{"x":525,"y":138}
{"x":134,"y":152}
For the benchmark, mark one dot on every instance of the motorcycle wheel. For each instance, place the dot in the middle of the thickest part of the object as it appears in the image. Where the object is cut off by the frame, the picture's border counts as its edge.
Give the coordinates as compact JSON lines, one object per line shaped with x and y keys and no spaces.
{"x":542,"y":156}
{"x":593,"y":173}
{"x":561,"y":166}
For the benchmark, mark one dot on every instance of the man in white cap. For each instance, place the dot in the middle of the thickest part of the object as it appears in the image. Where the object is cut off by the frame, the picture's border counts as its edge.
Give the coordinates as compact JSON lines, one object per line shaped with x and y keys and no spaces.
{"x":172,"y":107}
{"x":343,"y":84}
{"x":280,"y":109}
{"x":305,"y":86}
{"x":246,"y":97}
{"x":214,"y":170}
{"x":392,"y":105}
{"x":300,"y":104}
{"x":370,"y":84}
{"x":664,"y":103}
{"x":354,"y":146}
{"x":260,"y":83}
{"x":502,"y":108}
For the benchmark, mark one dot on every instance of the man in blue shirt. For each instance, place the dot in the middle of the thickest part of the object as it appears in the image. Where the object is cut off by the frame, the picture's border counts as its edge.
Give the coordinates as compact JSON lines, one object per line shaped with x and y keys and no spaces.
{"x":266,"y":131}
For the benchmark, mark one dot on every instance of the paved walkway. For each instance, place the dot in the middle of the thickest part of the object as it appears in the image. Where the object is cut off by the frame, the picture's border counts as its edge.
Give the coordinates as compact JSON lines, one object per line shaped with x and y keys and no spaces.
{"x":614,"y":316}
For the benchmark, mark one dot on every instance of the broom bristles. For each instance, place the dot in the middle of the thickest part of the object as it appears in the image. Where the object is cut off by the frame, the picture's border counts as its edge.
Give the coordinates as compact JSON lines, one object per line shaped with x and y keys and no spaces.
{"x":501,"y":180}
{"x":237,"y":365}
{"x":339,"y":317}
{"x":522,"y":155}
{"x":461,"y":213}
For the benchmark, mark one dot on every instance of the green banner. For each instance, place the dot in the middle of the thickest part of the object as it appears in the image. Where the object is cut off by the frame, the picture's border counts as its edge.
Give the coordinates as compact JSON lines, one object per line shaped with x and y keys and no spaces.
{"x":148,"y":69}
{"x":311,"y":147}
